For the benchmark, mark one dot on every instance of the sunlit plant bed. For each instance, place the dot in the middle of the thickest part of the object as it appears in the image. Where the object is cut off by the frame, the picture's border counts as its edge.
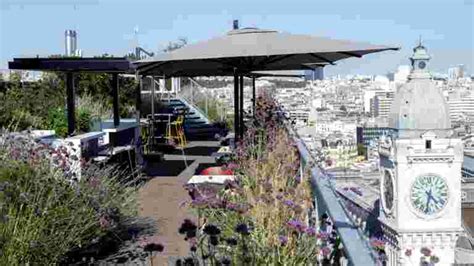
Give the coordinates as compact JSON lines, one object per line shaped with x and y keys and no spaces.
{"x":261,"y":218}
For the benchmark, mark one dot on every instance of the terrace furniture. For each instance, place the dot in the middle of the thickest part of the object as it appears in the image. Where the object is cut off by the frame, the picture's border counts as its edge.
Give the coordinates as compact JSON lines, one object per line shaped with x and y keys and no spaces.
{"x":122,"y":135}
{"x":83,"y":147}
{"x":213,"y":179}
{"x":175,"y":131}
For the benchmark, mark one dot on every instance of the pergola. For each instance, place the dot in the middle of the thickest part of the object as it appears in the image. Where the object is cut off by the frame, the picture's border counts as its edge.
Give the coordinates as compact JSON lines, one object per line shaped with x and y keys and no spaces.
{"x":241,"y":52}
{"x":73,"y":65}
{"x":111,"y":65}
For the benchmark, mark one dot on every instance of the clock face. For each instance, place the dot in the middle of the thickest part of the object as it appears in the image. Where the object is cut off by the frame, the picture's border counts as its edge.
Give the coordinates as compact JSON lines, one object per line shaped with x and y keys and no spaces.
{"x":422,"y":64}
{"x":388,"y":191}
{"x":429,"y":194}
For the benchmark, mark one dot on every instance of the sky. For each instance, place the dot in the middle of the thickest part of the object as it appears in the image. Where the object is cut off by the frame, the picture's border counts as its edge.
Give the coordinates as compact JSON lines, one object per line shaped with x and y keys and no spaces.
{"x":36,"y":27}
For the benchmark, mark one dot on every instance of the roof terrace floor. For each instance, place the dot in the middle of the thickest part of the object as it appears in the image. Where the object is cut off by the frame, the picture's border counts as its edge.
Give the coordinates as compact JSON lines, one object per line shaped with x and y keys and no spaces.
{"x":161,"y":197}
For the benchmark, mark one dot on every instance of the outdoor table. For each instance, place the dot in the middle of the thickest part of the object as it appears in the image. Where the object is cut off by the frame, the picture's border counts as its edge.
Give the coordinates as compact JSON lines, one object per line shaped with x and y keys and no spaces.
{"x":161,"y":122}
{"x":214,"y":179}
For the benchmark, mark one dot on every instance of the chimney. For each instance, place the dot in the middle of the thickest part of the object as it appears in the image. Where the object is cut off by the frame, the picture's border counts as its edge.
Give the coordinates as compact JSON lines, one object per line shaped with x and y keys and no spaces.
{"x":236,"y":24}
{"x":70,"y":42}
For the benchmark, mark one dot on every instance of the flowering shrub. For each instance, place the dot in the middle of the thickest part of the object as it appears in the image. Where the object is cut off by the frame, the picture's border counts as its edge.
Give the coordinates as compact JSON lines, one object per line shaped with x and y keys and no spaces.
{"x":44,"y":214}
{"x":261,"y":218}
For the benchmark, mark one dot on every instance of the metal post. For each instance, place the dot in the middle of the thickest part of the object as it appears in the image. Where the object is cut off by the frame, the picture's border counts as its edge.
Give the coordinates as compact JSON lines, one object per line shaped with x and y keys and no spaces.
{"x":254,"y":99}
{"x":138,"y":103}
{"x":138,"y":99}
{"x":115,"y":88}
{"x":206,"y":103}
{"x":236,"y":105}
{"x":241,"y":114}
{"x":192,"y":91}
{"x":71,"y":112}
{"x":153,"y":88}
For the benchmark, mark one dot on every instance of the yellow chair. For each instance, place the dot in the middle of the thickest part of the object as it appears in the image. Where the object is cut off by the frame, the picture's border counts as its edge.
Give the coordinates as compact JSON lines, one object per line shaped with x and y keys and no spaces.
{"x":175,"y":131}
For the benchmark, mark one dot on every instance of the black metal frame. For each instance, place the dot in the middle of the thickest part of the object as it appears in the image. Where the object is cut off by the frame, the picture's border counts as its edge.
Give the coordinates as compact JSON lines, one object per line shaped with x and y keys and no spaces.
{"x":72,"y":65}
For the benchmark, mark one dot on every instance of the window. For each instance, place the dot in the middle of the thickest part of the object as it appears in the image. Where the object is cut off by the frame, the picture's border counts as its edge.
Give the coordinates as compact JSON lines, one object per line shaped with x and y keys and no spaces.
{"x":428,"y":144}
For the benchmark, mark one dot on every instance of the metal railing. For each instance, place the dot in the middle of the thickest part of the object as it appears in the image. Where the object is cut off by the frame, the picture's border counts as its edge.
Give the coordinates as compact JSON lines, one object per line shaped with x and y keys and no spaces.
{"x":189,"y":99}
{"x":328,"y":201}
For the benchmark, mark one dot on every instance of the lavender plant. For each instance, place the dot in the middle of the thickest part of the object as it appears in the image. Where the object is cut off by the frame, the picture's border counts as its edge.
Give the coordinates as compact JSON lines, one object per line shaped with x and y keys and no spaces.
{"x":262,"y":217}
{"x":44,"y":214}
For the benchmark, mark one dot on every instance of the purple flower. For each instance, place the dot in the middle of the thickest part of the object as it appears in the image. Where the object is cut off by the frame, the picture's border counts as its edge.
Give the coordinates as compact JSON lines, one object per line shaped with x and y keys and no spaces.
{"x":242,"y":229}
{"x":211,"y":230}
{"x":311,"y":231}
{"x":200,"y":202}
{"x":297,"y":225}
{"x":188,"y":228}
{"x":289,"y":203}
{"x":323,"y":235}
{"x":283,"y":240}
{"x":325,"y":251}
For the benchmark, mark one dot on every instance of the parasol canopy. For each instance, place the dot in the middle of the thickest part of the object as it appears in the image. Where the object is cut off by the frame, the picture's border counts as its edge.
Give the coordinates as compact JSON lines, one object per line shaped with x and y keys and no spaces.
{"x":252,"y":49}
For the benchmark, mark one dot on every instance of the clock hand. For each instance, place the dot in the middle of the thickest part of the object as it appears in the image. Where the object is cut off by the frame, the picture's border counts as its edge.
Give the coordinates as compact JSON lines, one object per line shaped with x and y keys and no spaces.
{"x":430,"y":194}
{"x":433,"y":199}
{"x":427,"y":201}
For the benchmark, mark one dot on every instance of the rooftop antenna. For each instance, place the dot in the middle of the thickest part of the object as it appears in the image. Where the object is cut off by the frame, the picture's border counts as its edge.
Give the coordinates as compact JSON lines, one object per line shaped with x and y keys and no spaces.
{"x":135,"y":33}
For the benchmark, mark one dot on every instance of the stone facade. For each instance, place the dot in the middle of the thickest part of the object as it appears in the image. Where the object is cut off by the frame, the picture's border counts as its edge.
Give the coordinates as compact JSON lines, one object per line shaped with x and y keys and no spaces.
{"x":421,"y":175}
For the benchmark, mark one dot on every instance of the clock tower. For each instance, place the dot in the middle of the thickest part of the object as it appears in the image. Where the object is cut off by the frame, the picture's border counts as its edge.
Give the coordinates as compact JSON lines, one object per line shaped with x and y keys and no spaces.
{"x":420,"y":163}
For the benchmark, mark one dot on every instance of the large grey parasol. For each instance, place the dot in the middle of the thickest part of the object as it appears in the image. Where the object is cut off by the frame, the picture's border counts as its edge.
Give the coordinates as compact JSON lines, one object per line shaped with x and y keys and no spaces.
{"x":253,"y":49}
{"x":243,"y":51}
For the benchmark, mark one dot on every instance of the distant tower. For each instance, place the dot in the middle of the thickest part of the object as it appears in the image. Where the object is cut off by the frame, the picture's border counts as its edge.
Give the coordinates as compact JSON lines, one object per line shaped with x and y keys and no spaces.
{"x":456,"y":72}
{"x":421,"y":173}
{"x":70,"y":42}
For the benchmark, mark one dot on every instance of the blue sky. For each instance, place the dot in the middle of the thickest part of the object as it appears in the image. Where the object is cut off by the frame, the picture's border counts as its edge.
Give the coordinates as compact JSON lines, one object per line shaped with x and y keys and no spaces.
{"x":30,"y":27}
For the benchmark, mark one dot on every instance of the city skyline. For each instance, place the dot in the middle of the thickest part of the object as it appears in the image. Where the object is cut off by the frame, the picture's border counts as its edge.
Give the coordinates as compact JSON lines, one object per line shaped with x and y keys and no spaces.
{"x":110,"y":26}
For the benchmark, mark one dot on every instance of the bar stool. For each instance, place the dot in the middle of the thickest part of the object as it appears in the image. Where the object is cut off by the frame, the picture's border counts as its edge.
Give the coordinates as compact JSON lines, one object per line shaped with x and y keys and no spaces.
{"x":175,"y":131}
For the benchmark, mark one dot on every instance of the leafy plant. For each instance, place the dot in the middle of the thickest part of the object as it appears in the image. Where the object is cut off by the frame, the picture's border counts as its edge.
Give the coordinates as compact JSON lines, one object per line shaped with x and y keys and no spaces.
{"x":83,"y":120}
{"x":261,"y":218}
{"x":44,"y":214}
{"x":27,"y":104}
{"x":57,"y":120}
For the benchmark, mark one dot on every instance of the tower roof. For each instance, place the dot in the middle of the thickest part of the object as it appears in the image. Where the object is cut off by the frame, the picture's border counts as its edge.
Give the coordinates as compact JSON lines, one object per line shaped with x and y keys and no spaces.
{"x":419,"y":105}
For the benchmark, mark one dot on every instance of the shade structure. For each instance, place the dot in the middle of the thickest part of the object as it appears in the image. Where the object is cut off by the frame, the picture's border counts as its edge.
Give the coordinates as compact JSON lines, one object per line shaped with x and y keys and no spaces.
{"x":278,"y":73}
{"x":244,"y":51}
{"x":72,"y":65}
{"x":252,"y":49}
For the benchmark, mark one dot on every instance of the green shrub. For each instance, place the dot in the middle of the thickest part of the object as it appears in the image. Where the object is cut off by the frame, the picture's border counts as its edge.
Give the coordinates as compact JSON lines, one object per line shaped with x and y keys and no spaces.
{"x":57,"y":120}
{"x":43,"y":215}
{"x":28,"y":104}
{"x":83,"y":117}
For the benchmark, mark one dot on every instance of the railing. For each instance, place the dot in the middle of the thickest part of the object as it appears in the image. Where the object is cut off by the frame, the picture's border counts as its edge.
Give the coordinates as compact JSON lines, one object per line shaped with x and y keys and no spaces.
{"x":190,"y":100}
{"x":328,"y":201}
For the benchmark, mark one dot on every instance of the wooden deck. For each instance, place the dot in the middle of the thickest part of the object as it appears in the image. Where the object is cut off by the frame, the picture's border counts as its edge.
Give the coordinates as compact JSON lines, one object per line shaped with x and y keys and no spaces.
{"x":161,"y":198}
